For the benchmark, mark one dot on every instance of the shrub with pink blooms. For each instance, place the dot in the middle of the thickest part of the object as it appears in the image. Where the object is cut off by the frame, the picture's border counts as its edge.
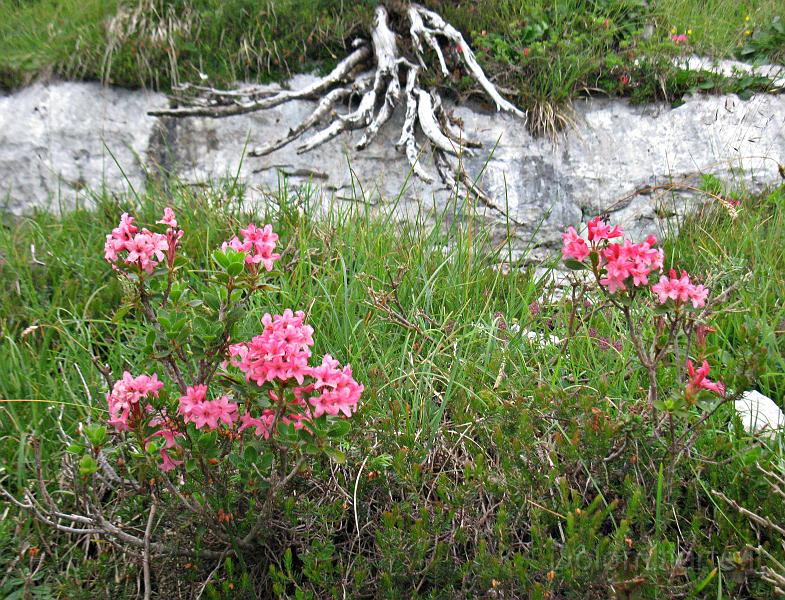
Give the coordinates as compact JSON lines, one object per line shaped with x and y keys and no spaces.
{"x":212,"y":426}
{"x":630,"y":278}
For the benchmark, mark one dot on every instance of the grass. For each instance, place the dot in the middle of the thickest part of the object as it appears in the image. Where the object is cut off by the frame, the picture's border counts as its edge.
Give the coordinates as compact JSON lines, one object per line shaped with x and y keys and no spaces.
{"x":478,"y":455}
{"x":544,"y":54}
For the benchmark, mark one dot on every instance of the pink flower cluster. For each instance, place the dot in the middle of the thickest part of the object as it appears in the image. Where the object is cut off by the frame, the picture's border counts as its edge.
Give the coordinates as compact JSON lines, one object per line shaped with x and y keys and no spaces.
{"x":126,"y":409}
{"x":338,"y":391}
{"x":679,"y":39}
{"x":699,"y":380}
{"x":627,"y":261}
{"x":281,"y":354}
{"x":168,"y":431}
{"x":680,"y":289}
{"x":262,"y":425}
{"x":173,"y":235}
{"x":575,"y":246}
{"x":257,"y":244}
{"x":124,"y":399}
{"x":281,"y":351}
{"x":599,"y":230}
{"x":196,"y":409}
{"x":143,"y":249}
{"x":621,"y":264}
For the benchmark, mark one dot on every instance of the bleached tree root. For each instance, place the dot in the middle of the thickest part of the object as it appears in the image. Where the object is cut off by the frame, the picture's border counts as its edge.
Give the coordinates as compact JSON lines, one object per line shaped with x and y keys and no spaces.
{"x":376,"y":78}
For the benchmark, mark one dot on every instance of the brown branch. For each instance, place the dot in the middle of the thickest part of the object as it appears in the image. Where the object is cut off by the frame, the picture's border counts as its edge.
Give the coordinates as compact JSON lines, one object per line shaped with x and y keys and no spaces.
{"x":146,"y":555}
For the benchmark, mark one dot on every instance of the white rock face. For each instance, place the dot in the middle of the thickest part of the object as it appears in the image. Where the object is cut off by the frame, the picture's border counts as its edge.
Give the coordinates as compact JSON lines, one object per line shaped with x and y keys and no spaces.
{"x":54,"y":140}
{"x":759,"y":414}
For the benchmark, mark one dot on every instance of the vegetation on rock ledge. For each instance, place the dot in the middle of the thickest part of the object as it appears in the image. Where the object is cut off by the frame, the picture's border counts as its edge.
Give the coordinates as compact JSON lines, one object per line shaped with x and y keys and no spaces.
{"x":540,"y":53}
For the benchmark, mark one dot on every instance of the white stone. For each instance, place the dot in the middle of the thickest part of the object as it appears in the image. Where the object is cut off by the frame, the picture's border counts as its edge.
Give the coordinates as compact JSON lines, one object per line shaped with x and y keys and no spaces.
{"x":759,"y":414}
{"x":55,"y":140}
{"x":734,"y":68}
{"x":540,"y":340}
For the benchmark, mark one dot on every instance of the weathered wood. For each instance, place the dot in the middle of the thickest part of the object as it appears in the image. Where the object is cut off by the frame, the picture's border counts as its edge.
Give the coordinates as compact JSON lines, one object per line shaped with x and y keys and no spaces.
{"x":374,"y":73}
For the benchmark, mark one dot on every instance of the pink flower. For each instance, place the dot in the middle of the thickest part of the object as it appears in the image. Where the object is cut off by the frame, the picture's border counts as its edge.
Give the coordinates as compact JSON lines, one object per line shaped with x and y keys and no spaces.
{"x":280,"y":353}
{"x":598,"y":230}
{"x":698,"y":380}
{"x":173,"y":235}
{"x":144,"y":248}
{"x":258,"y":245}
{"x":262,"y":425}
{"x":195,"y":409}
{"x":679,"y":289}
{"x":168,"y":218}
{"x":169,"y":434}
{"x":627,"y":261}
{"x":168,"y":463}
{"x":326,"y":374}
{"x":574,"y":246}
{"x":194,"y":397}
{"x":297,"y":421}
{"x":124,"y":399}
{"x":339,"y":392}
{"x":223,"y":410}
{"x":115,"y":241}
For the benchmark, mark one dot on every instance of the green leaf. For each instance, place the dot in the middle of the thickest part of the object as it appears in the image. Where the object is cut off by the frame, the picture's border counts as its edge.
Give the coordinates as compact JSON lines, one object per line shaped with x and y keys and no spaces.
{"x":221,"y":258}
{"x":121,"y":312}
{"x":234,"y":256}
{"x":339,"y":429}
{"x":149,"y":340}
{"x":96,"y":434}
{"x":574,"y":265}
{"x":311,"y":449}
{"x":265,"y":462}
{"x":250,"y":454}
{"x":87,"y":465}
{"x":235,"y":268}
{"x":177,"y":292}
{"x":335,"y":455}
{"x":212,"y":300}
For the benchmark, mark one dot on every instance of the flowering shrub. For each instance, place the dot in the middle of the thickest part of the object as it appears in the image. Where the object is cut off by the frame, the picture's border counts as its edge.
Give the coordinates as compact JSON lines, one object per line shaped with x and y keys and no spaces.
{"x":277,"y":359}
{"x":626,"y":274}
{"x":205,"y":423}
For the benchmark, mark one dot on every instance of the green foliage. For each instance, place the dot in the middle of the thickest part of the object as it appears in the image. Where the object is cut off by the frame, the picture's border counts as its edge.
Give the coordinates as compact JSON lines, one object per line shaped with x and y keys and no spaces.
{"x":543,"y":53}
{"x":766,"y":43}
{"x":481,"y":461}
